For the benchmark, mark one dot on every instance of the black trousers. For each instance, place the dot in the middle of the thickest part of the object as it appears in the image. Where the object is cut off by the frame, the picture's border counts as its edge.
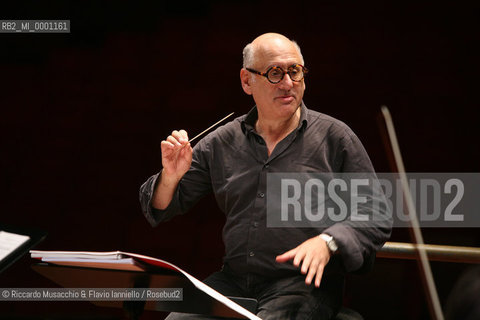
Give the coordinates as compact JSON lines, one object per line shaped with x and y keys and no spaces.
{"x":280,"y":298}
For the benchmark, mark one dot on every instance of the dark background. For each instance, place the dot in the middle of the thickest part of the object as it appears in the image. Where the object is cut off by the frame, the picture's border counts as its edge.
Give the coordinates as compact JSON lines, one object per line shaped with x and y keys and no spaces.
{"x":82,"y":116}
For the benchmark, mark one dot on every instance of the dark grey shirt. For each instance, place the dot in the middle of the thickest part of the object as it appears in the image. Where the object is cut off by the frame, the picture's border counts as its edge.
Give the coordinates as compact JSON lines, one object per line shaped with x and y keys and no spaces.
{"x":233,"y":162}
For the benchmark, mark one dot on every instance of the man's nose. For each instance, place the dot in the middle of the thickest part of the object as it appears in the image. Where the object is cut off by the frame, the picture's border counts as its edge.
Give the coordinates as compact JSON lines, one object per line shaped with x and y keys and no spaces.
{"x":286,"y":82}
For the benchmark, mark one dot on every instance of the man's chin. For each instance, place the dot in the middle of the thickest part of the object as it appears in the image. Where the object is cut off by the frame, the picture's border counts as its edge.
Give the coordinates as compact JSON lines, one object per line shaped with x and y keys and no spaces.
{"x":292,"y":104}
{"x":287,"y":109}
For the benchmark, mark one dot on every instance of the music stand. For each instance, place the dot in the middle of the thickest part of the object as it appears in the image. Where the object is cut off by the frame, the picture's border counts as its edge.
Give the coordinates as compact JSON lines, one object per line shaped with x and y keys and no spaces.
{"x":36,"y":236}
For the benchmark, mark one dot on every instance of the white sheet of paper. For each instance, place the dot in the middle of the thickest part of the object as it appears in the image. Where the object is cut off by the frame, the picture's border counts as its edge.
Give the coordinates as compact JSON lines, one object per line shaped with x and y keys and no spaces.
{"x":111,"y":255}
{"x":9,"y":242}
{"x":111,"y":261}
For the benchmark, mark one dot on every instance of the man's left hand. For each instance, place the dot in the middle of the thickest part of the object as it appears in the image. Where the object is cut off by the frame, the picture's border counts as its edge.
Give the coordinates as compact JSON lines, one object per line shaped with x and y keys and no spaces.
{"x":315,"y":255}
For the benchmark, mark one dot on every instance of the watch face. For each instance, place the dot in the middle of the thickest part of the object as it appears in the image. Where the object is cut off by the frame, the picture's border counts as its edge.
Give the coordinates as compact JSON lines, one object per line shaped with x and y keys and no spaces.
{"x":332,"y":245}
{"x":329,"y":244}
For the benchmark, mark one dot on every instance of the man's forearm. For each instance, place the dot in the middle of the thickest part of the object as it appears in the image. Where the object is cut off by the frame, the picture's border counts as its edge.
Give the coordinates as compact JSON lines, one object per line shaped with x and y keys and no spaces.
{"x":164,"y":191}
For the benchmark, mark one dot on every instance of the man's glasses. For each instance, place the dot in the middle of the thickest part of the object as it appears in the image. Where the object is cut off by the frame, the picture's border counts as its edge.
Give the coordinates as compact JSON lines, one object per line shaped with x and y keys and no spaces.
{"x":275,"y":74}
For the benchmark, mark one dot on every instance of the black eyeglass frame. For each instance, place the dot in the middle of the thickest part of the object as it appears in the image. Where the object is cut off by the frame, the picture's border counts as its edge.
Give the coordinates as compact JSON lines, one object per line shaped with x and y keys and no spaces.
{"x":290,"y":69}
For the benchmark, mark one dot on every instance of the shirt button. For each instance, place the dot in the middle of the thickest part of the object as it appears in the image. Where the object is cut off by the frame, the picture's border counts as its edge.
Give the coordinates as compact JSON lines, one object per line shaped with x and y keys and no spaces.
{"x":255,"y":224}
{"x":261,"y":194}
{"x":251,"y":253}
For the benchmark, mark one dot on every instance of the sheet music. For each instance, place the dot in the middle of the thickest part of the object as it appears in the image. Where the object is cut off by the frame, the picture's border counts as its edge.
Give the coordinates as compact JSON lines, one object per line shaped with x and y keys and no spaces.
{"x":109,"y":261}
{"x":9,"y":242}
{"x":110,"y":255}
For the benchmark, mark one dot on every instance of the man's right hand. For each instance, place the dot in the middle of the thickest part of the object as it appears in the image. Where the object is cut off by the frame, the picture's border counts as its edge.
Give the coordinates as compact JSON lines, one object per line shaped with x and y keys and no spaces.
{"x":176,"y":160}
{"x":176,"y":155}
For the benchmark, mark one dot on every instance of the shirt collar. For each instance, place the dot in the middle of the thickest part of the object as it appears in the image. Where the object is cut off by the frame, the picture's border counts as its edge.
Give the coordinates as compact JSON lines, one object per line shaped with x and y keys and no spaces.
{"x":248,"y":123}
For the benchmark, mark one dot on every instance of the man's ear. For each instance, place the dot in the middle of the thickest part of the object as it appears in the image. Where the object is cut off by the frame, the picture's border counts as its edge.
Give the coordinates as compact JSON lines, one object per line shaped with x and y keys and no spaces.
{"x":245,"y":79}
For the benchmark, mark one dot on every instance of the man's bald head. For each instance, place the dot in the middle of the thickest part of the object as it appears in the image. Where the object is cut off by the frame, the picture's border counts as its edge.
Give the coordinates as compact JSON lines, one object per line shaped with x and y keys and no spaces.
{"x":263,"y":43}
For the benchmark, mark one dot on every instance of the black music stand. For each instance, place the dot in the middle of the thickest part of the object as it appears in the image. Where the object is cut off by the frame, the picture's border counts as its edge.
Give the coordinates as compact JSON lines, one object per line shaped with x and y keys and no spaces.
{"x":194,"y":300}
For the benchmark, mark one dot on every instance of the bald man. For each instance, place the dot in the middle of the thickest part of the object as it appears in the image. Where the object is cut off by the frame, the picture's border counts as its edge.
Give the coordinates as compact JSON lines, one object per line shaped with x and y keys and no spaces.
{"x":293,"y":273}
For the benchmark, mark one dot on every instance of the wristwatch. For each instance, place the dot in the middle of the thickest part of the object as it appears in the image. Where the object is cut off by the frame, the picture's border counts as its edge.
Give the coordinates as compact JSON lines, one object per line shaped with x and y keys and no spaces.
{"x":331,"y":244}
